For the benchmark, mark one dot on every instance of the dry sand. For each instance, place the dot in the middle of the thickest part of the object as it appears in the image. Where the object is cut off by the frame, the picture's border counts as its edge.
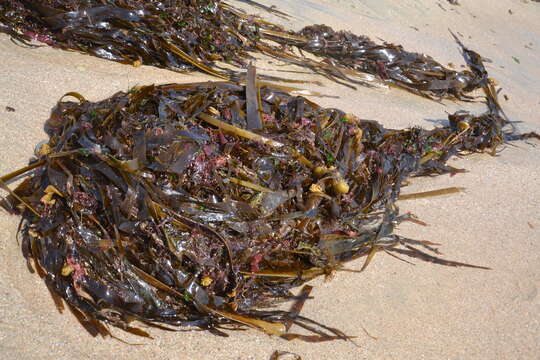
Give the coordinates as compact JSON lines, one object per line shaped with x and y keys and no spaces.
{"x":423,"y":311}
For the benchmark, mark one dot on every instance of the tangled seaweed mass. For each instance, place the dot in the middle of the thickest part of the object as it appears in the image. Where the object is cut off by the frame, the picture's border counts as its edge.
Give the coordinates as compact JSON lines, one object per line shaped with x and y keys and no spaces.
{"x":204,"y":204}
{"x":220,"y":40}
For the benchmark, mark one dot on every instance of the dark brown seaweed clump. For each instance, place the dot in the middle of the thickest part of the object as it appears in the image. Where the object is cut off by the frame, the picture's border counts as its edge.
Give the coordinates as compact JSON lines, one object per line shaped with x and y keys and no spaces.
{"x":202,"y":204}
{"x":216,"y":38}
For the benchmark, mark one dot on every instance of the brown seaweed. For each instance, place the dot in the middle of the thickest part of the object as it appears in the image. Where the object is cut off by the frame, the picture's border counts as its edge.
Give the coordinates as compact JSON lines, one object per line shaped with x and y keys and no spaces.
{"x":168,"y":205}
{"x":218,"y":39}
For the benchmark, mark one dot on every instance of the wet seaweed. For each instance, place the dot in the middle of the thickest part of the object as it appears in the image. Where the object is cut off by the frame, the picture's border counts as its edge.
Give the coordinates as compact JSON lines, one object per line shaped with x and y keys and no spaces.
{"x":204,"y":204}
{"x":221,"y":40}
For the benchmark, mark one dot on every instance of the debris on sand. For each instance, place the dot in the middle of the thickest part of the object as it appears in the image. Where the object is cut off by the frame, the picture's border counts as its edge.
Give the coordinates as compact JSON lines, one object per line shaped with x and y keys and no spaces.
{"x":220,"y":40}
{"x":204,"y":204}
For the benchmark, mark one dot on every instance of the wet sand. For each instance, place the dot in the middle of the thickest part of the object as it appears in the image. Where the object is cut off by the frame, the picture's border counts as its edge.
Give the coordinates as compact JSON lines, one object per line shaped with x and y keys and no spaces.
{"x":416,"y":312}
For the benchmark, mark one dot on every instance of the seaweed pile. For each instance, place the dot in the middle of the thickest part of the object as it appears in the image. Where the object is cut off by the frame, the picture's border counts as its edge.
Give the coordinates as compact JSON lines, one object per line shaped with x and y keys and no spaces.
{"x":218,"y":39}
{"x":204,"y":204}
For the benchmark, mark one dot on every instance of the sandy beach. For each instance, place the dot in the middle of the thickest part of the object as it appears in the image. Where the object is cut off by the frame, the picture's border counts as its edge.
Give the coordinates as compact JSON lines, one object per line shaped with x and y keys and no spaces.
{"x":415,"y":312}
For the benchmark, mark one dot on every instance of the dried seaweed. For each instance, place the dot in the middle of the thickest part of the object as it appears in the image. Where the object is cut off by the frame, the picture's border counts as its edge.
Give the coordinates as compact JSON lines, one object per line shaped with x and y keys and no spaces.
{"x":168,"y":205}
{"x":218,"y":39}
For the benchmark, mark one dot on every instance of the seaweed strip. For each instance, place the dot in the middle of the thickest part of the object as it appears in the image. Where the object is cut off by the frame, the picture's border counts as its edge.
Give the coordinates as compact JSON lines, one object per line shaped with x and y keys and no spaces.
{"x":216,"y":38}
